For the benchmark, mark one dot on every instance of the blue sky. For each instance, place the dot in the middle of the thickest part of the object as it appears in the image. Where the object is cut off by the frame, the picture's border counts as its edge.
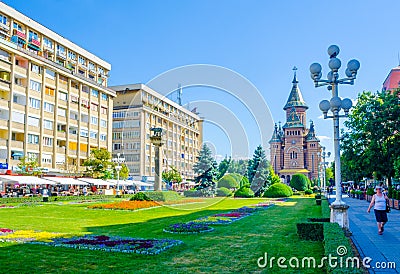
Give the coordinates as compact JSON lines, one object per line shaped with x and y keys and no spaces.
{"x":260,"y":40}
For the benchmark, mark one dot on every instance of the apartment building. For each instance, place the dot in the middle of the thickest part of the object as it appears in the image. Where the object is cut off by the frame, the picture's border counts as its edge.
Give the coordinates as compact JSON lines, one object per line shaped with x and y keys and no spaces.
{"x":137,"y":109}
{"x":54,"y":101}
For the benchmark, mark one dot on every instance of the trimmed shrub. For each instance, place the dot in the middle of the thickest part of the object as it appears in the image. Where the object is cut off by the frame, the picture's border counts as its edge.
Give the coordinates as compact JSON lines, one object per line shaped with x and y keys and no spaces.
{"x":192,"y":193}
{"x":244,"y":192}
{"x":163,"y":196}
{"x":278,"y":190}
{"x":315,"y":189}
{"x":299,"y":182}
{"x":140,"y":196}
{"x":223,"y":192}
{"x":230,"y":181}
{"x":38,"y":199}
{"x":308,"y":192}
{"x":311,"y":231}
{"x":370,"y":191}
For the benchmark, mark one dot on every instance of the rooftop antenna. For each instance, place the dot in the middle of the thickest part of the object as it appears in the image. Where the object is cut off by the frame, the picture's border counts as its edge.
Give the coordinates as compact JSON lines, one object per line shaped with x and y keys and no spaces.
{"x":180,"y":94}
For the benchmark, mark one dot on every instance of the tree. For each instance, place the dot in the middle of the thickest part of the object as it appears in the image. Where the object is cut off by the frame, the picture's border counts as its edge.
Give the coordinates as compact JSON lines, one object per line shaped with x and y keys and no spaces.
{"x":272,"y":178}
{"x":206,"y":168}
{"x":372,"y":141}
{"x":299,"y":182}
{"x":99,"y":163}
{"x":172,"y":175}
{"x":223,"y":167}
{"x":123,"y":173}
{"x":29,"y":166}
{"x":257,"y":172}
{"x":238,"y":166}
{"x":230,"y":181}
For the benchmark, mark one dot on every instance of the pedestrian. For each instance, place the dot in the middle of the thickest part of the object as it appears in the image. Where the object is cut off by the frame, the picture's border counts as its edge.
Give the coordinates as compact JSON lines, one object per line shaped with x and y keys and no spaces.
{"x":379,"y":201}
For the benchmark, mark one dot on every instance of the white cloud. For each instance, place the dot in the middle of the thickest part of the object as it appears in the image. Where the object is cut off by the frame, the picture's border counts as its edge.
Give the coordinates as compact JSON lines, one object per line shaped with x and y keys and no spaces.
{"x":324,"y":138}
{"x":321,"y":116}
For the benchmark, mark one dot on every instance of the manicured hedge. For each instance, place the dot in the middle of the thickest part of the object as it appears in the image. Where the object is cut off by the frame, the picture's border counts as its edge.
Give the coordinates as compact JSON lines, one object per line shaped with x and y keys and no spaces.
{"x":311,"y":231}
{"x":163,"y":196}
{"x":244,"y":192}
{"x":229,"y":181}
{"x":140,"y":196}
{"x":192,"y":193}
{"x":299,"y":182}
{"x":223,"y":192}
{"x":278,"y":190}
{"x":51,"y":199}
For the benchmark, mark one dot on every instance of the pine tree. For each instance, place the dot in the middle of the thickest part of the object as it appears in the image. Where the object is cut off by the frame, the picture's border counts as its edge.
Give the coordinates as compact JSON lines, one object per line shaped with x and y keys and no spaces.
{"x":257,"y":172}
{"x":206,"y":168}
{"x":223,"y":167}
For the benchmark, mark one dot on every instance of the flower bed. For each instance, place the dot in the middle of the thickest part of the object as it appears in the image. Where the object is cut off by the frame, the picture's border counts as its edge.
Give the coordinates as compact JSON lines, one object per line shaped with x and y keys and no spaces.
{"x":214,"y":220}
{"x":4,"y":231}
{"x":6,"y":206}
{"x":114,"y":244}
{"x":231,"y":215}
{"x":126,"y":205}
{"x":188,"y":228}
{"x":23,"y":236}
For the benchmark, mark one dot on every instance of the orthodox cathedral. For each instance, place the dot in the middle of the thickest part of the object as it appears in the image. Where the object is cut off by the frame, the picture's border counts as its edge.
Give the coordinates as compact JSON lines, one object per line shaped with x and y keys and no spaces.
{"x":294,"y":147}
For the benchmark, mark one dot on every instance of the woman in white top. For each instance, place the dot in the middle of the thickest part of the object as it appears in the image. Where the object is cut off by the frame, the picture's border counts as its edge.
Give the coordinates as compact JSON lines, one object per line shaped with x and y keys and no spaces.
{"x":379,"y":203}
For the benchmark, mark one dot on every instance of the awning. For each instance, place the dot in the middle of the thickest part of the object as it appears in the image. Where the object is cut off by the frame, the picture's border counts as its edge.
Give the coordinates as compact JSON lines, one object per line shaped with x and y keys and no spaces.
{"x":32,"y":46}
{"x":26,"y":180}
{"x":139,"y":183}
{"x":66,"y":181}
{"x":121,"y":182}
{"x":96,"y":182}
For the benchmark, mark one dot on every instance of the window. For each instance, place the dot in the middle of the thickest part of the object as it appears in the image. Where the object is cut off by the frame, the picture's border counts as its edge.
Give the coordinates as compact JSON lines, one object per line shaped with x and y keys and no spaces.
{"x":60,"y":50}
{"x":36,"y":69}
{"x":33,"y":35}
{"x":3,"y":19}
{"x":95,"y":93}
{"x":85,"y":89}
{"x":33,"y":139}
{"x":47,"y":42}
{"x":91,"y":66}
{"x":63,"y":96}
{"x":117,"y":146}
{"x":36,"y":86}
{"x":103,"y":110}
{"x":48,"y":107}
{"x":85,"y":103}
{"x":47,"y":141}
{"x":94,"y":106}
{"x":47,"y":124}
{"x":18,"y":117}
{"x":62,"y":112}
{"x":63,"y":80}
{"x":103,"y":123}
{"x":81,"y":61}
{"x":72,"y":55}
{"x":46,"y":158}
{"x":84,"y":133}
{"x":101,"y":71}
{"x":93,"y":135}
{"x":34,"y":103}
{"x":33,"y":121}
{"x":49,"y":91}
{"x":17,"y":26}
{"x":104,"y":97}
{"x":74,"y":99}
{"x":103,"y":137}
{"x":50,"y":74}
{"x":73,"y":115}
{"x":94,"y":120}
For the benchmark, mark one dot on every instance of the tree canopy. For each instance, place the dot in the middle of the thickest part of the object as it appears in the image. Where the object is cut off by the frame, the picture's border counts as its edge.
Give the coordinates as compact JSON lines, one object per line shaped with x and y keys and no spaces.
{"x":172,"y":175}
{"x":99,"y":164}
{"x":257,"y":172}
{"x":206,"y":168}
{"x":373,"y":136}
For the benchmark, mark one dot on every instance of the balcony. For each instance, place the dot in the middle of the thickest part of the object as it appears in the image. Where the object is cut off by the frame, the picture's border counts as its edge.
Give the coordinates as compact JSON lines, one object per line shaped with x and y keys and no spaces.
{"x":34,"y":42}
{"x":47,"y":149}
{"x":20,"y":70}
{"x":20,"y":34}
{"x":72,"y":152}
{"x":20,"y":108}
{"x":61,"y":134}
{"x":17,"y":144}
{"x":18,"y":126}
{"x":5,"y":63}
{"x":83,"y":154}
{"x":62,"y":85}
{"x":3,"y":143}
{"x":3,"y":123}
{"x":4,"y":86}
{"x":36,"y":77}
{"x":33,"y":111}
{"x":33,"y":147}
{"x":51,"y":82}
{"x":61,"y":150}
{"x":20,"y":89}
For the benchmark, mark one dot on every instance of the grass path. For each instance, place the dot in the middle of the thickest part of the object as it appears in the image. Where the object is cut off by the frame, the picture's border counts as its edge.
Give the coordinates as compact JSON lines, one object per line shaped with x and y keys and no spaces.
{"x":232,"y":248}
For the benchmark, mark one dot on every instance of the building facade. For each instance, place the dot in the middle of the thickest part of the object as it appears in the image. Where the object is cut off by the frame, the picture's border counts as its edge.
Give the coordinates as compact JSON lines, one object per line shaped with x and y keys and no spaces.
{"x":137,"y":109}
{"x":392,"y":81}
{"x":54,"y":102}
{"x":294,"y":148}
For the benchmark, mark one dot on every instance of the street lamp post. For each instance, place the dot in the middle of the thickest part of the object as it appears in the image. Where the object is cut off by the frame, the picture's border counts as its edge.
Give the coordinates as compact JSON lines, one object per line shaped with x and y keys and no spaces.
{"x":324,"y":155}
{"x":335,"y":105}
{"x":118,"y":168}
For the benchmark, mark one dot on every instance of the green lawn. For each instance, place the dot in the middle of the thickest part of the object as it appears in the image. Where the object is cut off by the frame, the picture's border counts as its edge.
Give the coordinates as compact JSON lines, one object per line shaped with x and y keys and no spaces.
{"x":229,"y":248}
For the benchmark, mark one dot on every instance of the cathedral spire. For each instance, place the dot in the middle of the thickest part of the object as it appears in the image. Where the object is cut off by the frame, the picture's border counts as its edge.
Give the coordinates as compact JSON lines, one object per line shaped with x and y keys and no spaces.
{"x":275,"y":136}
{"x":311,"y":133}
{"x":295,"y":97}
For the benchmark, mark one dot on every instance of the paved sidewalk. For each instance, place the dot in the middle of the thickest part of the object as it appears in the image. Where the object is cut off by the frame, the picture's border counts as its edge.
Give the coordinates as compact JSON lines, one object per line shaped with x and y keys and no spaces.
{"x":382,"y":249}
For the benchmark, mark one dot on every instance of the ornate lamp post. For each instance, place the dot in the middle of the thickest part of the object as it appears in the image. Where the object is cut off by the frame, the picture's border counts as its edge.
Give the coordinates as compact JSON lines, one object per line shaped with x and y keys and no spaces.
{"x":156,"y":140}
{"x":118,"y":168}
{"x":335,"y":105}
{"x":324,"y":155}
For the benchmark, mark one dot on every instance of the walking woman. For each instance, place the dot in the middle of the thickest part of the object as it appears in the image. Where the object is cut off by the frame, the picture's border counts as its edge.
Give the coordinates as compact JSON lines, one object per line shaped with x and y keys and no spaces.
{"x":379,"y":203}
